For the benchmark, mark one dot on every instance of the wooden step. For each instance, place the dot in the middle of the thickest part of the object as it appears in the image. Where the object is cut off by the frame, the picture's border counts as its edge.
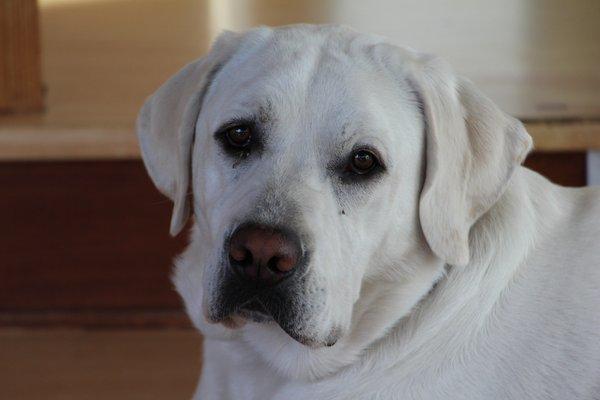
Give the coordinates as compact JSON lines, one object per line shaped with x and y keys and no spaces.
{"x":90,"y":365}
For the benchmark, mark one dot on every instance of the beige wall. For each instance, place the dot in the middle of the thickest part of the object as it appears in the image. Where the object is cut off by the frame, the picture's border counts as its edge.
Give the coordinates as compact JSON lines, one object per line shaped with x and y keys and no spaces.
{"x":536,"y":58}
{"x":100,"y":58}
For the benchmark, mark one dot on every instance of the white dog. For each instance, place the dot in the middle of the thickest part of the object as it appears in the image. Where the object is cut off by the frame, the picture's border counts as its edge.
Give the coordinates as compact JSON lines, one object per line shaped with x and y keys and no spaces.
{"x":363,"y":228}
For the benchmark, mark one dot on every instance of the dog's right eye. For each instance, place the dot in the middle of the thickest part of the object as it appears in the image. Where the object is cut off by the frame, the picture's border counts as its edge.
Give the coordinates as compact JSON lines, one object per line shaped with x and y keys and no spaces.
{"x":237,"y":138}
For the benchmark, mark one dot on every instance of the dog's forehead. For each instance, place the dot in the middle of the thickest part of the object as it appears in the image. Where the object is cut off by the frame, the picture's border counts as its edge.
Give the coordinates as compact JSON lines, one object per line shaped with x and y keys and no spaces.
{"x":325,"y":93}
{"x":297,"y":72}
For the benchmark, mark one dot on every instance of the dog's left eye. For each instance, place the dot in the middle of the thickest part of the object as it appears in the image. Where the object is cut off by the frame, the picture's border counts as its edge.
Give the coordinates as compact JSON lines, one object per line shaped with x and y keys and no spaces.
{"x":362,"y":162}
{"x":238,"y":136}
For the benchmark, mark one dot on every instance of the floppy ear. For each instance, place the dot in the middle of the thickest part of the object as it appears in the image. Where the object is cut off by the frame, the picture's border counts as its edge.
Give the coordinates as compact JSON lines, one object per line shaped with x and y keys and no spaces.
{"x":166,"y":125}
{"x":473,"y":148}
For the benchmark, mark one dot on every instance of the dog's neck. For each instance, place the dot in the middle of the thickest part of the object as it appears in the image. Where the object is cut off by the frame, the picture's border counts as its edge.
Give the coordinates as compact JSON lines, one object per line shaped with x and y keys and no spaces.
{"x":461,"y":302}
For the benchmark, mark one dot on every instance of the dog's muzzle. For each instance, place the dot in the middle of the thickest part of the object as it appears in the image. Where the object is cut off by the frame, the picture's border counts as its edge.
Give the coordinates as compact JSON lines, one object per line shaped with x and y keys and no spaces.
{"x":264,"y":278}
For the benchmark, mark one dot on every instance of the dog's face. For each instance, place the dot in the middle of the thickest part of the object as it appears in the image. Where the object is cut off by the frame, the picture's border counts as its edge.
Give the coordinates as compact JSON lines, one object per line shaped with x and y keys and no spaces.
{"x":316,"y":146}
{"x":305,"y":153}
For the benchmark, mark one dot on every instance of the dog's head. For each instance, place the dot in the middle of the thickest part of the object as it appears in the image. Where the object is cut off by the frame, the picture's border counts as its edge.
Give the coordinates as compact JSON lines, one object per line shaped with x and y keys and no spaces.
{"x":324,"y":168}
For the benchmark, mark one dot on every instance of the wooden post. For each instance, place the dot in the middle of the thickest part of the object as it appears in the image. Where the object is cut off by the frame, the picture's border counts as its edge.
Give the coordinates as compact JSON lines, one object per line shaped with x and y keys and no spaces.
{"x":20,"y":61}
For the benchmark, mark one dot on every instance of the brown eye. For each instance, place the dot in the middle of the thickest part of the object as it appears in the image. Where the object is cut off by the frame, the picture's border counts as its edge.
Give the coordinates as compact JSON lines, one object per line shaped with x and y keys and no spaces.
{"x":363,"y":161}
{"x":238,"y":136}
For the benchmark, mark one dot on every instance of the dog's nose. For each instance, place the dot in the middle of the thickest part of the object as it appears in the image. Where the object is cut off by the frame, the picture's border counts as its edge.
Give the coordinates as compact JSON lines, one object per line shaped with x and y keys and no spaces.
{"x":262,"y":254}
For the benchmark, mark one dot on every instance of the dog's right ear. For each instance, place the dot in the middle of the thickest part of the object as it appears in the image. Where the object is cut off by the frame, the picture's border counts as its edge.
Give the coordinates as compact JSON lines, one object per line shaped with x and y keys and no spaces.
{"x":167,"y":121}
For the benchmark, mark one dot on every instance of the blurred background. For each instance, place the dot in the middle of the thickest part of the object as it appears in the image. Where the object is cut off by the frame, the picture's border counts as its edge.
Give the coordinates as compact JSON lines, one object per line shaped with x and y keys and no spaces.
{"x":87,"y":310}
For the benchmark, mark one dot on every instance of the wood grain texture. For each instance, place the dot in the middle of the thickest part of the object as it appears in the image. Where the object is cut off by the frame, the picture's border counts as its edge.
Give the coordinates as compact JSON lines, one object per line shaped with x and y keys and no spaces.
{"x":567,"y":169}
{"x":90,"y":365}
{"x":20,"y":60}
{"x":84,"y":236}
{"x":95,"y":318}
{"x":102,"y":58}
{"x":53,"y":144}
{"x":561,"y":136}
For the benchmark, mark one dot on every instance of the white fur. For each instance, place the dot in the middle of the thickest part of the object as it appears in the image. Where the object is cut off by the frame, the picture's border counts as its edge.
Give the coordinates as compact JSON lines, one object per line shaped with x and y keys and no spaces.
{"x":458,"y":275}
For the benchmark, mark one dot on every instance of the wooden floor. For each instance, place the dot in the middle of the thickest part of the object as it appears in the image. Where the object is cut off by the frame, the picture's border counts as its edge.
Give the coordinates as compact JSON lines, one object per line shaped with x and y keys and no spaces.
{"x":87,"y":365}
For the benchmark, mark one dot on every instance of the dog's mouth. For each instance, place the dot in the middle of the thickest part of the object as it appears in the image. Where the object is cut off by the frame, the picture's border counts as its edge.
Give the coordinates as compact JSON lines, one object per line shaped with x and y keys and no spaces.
{"x":287,"y":305}
{"x":254,"y":310}
{"x":263,"y":309}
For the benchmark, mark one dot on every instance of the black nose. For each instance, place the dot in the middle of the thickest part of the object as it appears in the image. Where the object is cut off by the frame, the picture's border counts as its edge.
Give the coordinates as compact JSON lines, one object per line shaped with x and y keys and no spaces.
{"x":262,"y":254}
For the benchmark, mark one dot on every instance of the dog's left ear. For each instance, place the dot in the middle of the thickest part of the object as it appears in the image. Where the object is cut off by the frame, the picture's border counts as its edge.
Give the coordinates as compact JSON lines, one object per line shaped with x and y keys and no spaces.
{"x":166,"y":125}
{"x":473,"y":149}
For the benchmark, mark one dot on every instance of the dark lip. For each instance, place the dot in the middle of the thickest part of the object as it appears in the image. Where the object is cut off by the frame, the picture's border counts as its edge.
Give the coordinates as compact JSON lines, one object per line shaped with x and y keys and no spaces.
{"x":254,"y":310}
{"x":267,"y":305}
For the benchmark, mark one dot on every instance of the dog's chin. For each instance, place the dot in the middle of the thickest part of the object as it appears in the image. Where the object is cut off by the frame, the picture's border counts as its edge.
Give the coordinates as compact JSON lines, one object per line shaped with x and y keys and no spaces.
{"x":254,"y":312}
